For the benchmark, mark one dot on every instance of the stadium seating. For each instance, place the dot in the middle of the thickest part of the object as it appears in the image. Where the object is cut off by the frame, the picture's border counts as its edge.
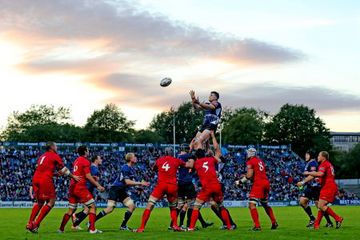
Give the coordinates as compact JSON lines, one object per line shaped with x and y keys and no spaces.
{"x":17,"y":165}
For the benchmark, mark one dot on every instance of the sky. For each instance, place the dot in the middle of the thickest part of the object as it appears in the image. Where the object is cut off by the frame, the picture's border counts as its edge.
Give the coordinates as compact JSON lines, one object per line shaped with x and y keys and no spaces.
{"x":84,"y":54}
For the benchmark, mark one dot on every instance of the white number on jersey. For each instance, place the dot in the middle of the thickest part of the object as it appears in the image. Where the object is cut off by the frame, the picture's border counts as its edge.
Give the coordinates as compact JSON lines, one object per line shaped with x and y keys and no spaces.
{"x":332,"y":171}
{"x":166,"y":166}
{"x":205,"y":165}
{"x":75,"y":168}
{"x":261,"y":166}
{"x":42,"y":160}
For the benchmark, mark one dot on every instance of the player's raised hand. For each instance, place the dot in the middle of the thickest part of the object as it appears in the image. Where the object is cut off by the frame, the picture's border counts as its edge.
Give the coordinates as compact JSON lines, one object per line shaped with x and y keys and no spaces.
{"x":101,"y":189}
{"x":192,"y":94}
{"x":145,"y":184}
{"x":299,"y":184}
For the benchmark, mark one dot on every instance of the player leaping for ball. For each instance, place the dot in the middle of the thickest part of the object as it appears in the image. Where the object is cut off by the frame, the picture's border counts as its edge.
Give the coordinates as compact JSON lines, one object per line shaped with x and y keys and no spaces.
{"x":212,"y":114}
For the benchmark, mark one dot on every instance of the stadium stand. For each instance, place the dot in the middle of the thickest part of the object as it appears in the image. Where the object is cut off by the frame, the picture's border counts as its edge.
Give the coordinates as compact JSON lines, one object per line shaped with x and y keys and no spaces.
{"x":17,"y":164}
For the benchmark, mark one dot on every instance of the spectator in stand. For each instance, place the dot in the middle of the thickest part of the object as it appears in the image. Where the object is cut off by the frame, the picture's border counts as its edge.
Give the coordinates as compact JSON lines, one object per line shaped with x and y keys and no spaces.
{"x":284,"y":169}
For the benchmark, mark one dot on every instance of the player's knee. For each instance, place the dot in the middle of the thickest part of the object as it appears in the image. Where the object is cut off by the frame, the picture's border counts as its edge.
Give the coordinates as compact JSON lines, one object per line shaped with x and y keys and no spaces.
{"x":197,"y":205}
{"x":109,"y":209}
{"x":51,"y":203}
{"x":132,"y":207}
{"x":173,"y":204}
{"x":252,"y":205}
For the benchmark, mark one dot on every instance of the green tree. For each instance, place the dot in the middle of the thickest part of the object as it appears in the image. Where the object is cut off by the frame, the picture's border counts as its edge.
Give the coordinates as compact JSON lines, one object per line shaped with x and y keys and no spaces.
{"x":186,"y":122}
{"x":347,"y":164}
{"x":244,"y":126}
{"x":299,"y":126}
{"x":147,"y":136}
{"x":108,"y":125}
{"x":40,"y":123}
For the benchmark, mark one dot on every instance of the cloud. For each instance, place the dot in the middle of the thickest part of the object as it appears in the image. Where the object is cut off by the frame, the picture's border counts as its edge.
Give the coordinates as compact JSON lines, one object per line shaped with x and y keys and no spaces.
{"x":271,"y":98}
{"x":132,"y":32}
{"x":141,"y":91}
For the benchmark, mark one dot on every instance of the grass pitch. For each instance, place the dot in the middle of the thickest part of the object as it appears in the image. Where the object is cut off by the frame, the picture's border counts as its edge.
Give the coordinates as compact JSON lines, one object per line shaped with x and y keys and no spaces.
{"x":292,"y":221}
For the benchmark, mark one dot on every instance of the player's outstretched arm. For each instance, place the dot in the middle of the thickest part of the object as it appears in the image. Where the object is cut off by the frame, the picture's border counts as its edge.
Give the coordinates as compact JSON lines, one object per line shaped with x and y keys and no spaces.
{"x":134,"y":183}
{"x":303,"y":182}
{"x":190,"y":163}
{"x":216,"y":146}
{"x":194,"y":100}
{"x":315,"y":174}
{"x":94,"y":182}
{"x":66,"y":172}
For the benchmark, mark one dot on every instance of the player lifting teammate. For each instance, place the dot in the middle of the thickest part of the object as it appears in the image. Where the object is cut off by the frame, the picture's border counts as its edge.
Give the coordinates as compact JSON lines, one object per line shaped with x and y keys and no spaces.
{"x":43,"y":185}
{"x":328,"y":190}
{"x":167,"y":168}
{"x":187,"y":192}
{"x":118,"y":190}
{"x":212,"y":115}
{"x":210,"y":185}
{"x":256,"y":171}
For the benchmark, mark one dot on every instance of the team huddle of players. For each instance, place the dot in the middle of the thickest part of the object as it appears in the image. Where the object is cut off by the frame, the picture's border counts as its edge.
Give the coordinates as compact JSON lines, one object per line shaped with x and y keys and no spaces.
{"x":175,"y":182}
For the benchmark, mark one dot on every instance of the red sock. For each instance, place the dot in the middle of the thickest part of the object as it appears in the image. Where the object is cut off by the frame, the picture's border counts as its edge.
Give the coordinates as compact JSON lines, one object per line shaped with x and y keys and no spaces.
{"x":194,"y":218}
{"x":255,"y":217}
{"x":319,"y":217}
{"x":35,"y":211}
{"x":43,"y":212}
{"x":333,"y":214}
{"x":173,"y":215}
{"x":145,"y":218}
{"x":64,"y":221}
{"x":92,"y":219}
{"x":225,"y":217}
{"x":270,"y":213}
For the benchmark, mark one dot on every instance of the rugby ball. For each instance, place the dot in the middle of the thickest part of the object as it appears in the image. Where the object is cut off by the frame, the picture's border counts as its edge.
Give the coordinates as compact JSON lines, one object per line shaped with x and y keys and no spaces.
{"x":165,"y":82}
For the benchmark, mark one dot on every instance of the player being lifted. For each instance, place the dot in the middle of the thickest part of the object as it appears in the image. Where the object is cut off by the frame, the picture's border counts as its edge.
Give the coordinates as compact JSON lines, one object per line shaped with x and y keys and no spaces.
{"x":311,"y":190}
{"x":118,"y":190}
{"x":328,"y":190}
{"x":78,"y":191}
{"x":259,"y":194}
{"x":167,"y":168}
{"x":43,"y":185}
{"x":212,"y":115}
{"x":210,"y":185}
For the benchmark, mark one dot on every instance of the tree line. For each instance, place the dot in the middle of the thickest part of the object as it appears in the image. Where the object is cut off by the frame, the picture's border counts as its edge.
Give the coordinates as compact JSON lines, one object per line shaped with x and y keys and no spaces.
{"x":297,"y":125}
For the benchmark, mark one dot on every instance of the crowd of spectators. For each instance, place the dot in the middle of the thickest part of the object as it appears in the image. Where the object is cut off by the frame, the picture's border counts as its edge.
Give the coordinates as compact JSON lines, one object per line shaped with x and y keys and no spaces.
{"x":284,"y":169}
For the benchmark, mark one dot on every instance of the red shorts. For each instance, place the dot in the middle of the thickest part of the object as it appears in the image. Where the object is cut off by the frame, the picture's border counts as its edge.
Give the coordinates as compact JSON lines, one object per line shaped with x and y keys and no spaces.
{"x":80,"y":194}
{"x":171,"y":191}
{"x":213,"y":191}
{"x":44,"y":189}
{"x":260,"y":190}
{"x":329,"y":193}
